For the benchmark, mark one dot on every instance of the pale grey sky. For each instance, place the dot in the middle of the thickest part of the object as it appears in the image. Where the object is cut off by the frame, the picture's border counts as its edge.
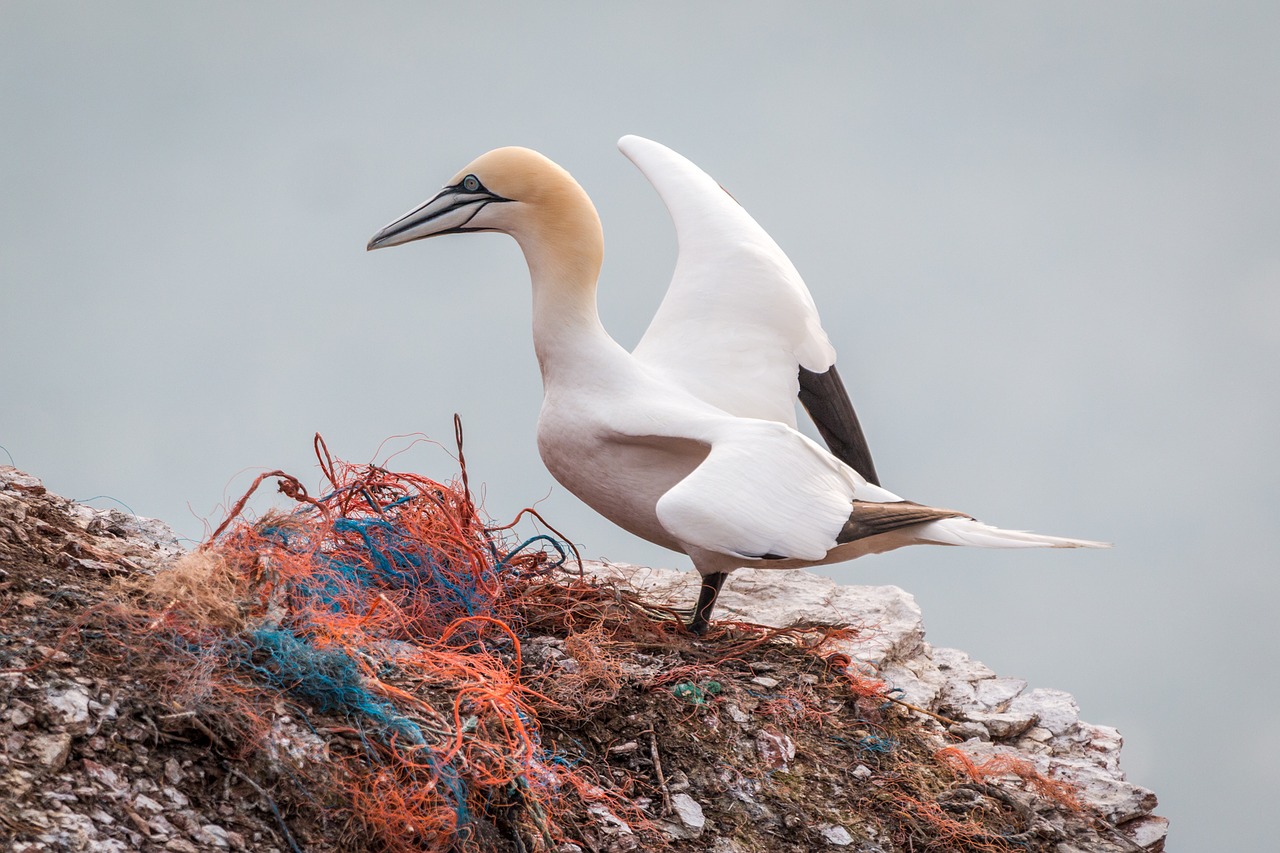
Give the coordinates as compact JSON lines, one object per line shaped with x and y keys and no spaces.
{"x":1045,"y":239}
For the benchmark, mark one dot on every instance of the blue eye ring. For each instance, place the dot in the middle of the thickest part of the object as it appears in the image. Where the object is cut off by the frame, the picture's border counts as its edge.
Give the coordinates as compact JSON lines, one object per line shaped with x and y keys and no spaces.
{"x":471,"y":183}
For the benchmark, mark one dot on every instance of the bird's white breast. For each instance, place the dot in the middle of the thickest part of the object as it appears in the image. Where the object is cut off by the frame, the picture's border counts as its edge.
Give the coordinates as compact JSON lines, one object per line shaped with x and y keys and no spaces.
{"x":619,"y":477}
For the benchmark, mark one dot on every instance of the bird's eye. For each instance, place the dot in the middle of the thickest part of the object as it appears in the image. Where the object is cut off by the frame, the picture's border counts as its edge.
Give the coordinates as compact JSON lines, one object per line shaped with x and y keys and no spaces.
{"x":471,"y":183}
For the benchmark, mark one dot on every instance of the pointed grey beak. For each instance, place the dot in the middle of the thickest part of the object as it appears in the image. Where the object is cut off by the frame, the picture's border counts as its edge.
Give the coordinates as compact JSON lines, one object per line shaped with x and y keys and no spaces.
{"x":448,"y":213}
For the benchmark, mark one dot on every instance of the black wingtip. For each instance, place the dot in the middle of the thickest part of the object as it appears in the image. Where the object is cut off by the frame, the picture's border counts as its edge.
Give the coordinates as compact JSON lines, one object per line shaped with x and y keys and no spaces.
{"x":827,"y":402}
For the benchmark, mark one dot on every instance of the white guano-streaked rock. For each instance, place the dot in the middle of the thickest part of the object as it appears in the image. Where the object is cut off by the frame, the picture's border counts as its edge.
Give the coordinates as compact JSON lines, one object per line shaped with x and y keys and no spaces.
{"x":689,"y":811}
{"x":891,"y":628}
{"x":836,"y":836}
{"x":998,"y":715}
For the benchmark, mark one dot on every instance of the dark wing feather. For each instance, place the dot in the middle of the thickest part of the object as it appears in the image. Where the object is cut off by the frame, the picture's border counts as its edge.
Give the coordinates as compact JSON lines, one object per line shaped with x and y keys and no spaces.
{"x":868,"y":519}
{"x":827,"y":402}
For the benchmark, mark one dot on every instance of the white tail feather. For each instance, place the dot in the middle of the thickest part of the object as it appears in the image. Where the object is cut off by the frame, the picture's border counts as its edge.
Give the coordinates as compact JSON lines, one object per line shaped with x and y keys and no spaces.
{"x":967,"y":531}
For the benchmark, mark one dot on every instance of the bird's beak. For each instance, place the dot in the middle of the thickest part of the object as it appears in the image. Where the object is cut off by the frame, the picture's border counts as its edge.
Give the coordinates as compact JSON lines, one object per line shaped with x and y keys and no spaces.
{"x":448,"y":213}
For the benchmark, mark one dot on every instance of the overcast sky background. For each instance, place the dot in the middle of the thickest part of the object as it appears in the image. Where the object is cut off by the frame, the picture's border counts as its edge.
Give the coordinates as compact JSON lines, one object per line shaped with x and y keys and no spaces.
{"x":1045,"y":239}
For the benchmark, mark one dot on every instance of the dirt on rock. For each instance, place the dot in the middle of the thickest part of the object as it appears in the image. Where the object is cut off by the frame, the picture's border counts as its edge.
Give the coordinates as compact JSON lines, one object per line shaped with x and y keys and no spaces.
{"x":751,"y":740}
{"x":91,"y":756}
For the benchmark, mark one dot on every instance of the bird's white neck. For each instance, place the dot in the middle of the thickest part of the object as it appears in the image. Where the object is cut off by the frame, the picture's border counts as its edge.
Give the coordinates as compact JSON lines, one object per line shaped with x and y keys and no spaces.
{"x":564,"y":248}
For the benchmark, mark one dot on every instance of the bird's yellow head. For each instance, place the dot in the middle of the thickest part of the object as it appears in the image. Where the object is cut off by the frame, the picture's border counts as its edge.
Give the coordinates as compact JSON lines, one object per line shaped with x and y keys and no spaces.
{"x":511,"y":190}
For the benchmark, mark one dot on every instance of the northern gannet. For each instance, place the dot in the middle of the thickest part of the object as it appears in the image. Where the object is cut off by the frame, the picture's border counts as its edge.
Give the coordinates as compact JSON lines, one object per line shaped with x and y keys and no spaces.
{"x":690,"y":442}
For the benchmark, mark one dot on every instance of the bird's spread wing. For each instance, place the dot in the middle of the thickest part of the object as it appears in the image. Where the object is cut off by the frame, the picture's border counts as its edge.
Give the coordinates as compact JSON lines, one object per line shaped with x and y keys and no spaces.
{"x":738,"y":327}
{"x":765,"y":491}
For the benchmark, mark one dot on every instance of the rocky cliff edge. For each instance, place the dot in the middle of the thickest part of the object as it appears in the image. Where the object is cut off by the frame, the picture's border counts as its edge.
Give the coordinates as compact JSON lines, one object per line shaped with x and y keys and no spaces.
{"x":753,"y":741}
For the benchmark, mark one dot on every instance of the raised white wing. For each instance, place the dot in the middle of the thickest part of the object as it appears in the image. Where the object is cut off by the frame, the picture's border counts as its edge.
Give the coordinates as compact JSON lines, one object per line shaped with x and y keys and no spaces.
{"x":737,"y":323}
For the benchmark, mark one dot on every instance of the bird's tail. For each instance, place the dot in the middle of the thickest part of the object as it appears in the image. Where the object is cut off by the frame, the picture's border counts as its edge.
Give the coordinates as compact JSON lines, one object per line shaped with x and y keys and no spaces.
{"x":967,"y":531}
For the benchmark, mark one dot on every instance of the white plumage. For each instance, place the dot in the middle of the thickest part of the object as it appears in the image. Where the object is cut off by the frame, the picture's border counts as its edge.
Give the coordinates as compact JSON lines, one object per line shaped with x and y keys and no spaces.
{"x":690,"y":442}
{"x":737,"y":319}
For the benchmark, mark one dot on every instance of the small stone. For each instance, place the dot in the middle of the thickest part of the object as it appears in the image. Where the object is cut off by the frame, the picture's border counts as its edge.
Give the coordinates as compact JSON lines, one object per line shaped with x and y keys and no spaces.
{"x":104,"y":776}
{"x":1103,"y":745}
{"x":765,"y":681}
{"x":862,"y":771}
{"x":80,"y":828}
{"x":47,"y":653}
{"x":70,"y":707}
{"x":689,"y":812}
{"x":176,"y":797}
{"x":160,"y":826}
{"x":836,"y":836}
{"x":112,"y":845}
{"x":1056,"y":710}
{"x":970,"y":730}
{"x":1146,"y":831}
{"x":725,"y":845}
{"x":624,"y":748}
{"x":736,"y":714}
{"x":18,"y":784}
{"x":544,"y":640}
{"x":50,"y":751}
{"x":775,"y":749}
{"x":918,"y":681}
{"x":958,"y":664}
{"x":995,"y":693}
{"x":677,"y":782}
{"x":60,"y":797}
{"x":143,"y":803}
{"x":19,"y":715}
{"x":180,"y":845}
{"x":1032,"y":747}
{"x":1118,"y":800}
{"x":1004,"y":726}
{"x":609,"y":822}
{"x":213,"y":834}
{"x":13,"y":480}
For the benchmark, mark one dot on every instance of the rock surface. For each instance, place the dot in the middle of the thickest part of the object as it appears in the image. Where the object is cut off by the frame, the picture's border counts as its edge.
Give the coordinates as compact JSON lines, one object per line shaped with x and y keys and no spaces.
{"x":994,"y":715}
{"x":92,"y":760}
{"x":86,"y":763}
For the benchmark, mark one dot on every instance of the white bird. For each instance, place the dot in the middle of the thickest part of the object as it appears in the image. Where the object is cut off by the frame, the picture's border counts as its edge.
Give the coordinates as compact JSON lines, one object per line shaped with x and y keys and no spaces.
{"x":690,"y":441}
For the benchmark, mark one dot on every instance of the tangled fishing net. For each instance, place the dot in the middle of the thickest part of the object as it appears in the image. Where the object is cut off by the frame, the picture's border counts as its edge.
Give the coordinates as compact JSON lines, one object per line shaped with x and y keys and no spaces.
{"x":421,"y":681}
{"x":386,"y":608}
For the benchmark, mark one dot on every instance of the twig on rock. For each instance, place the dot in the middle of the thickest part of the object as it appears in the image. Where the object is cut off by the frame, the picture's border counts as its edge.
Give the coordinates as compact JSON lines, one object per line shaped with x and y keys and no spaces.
{"x":271,"y":804}
{"x":657,"y":770}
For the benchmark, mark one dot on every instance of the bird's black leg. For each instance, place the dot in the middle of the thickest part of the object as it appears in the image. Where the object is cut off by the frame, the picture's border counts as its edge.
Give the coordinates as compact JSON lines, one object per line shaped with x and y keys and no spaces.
{"x":706,"y":602}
